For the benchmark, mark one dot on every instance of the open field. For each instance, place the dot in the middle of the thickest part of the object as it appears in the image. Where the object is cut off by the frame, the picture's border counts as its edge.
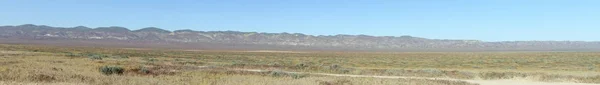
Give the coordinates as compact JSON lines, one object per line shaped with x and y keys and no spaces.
{"x":25,"y":64}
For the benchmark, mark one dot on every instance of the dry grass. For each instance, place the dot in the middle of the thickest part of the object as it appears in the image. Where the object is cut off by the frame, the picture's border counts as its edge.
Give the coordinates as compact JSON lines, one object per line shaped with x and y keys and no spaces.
{"x":45,"y":64}
{"x":24,"y":66}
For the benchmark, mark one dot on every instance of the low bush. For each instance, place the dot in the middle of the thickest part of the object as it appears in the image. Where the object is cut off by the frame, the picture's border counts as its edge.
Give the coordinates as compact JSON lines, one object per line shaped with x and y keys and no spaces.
{"x":73,"y":55}
{"x":95,"y":57}
{"x":335,"y":66}
{"x":277,"y":73}
{"x":144,"y":70}
{"x":109,"y":70}
{"x":336,"y":82}
{"x":301,"y":66}
{"x":121,"y":57}
{"x":298,"y":76}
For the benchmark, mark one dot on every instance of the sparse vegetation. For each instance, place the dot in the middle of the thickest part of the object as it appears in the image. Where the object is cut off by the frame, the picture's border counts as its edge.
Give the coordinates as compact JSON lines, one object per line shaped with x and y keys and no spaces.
{"x":299,"y":76}
{"x":144,"y":70}
{"x":277,"y":73}
{"x":95,"y":57}
{"x":336,"y":82}
{"x":301,"y":66}
{"x":20,"y":64}
{"x":109,"y":70}
{"x":120,"y":57}
{"x":72,"y":55}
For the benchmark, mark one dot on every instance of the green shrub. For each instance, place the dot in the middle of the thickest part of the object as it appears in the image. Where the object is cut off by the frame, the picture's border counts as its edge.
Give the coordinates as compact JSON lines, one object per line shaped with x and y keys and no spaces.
{"x":96,"y":54}
{"x":73,"y":55}
{"x":277,"y":73}
{"x":335,"y":66}
{"x":144,"y":70}
{"x":298,"y":76}
{"x":336,"y":82}
{"x":431,"y":71}
{"x":152,"y":59}
{"x":121,"y":57}
{"x":95,"y":57}
{"x":109,"y":70}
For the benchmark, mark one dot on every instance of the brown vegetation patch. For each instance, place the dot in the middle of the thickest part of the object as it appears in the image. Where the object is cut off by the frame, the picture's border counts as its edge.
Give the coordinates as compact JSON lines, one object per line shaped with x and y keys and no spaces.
{"x":336,"y":82}
{"x":42,"y":77}
{"x":159,"y":69}
{"x":9,"y":62}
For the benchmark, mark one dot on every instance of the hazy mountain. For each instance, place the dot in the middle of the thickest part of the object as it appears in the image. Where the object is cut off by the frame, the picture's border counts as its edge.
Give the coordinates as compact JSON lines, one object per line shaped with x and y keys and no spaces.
{"x":364,"y":42}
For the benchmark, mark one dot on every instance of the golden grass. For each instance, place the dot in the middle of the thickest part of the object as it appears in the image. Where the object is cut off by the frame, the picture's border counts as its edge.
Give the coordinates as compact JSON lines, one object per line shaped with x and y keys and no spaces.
{"x":22,"y":63}
{"x":54,"y":68}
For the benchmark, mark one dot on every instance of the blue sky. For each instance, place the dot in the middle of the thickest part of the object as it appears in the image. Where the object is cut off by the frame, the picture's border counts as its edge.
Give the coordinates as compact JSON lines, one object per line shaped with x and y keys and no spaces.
{"x":489,"y":20}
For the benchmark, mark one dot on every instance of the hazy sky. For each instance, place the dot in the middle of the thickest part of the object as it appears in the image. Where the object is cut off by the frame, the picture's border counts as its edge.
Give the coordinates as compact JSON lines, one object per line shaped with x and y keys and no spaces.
{"x":490,"y":20}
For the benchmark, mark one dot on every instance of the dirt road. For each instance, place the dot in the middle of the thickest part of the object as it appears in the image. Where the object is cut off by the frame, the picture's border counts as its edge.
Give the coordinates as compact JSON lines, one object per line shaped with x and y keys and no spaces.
{"x":481,"y":82}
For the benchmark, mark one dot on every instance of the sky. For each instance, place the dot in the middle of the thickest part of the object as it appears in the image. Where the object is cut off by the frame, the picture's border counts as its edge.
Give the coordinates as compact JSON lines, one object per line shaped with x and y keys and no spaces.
{"x":488,"y":20}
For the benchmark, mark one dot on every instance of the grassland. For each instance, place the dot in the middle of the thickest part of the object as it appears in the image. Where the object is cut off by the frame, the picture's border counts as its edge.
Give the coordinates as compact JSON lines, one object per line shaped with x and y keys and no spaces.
{"x":26,"y":64}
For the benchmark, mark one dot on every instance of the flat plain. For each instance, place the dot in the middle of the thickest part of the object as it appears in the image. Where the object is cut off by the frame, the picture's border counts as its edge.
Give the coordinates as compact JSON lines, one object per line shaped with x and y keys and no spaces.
{"x":53,"y":65}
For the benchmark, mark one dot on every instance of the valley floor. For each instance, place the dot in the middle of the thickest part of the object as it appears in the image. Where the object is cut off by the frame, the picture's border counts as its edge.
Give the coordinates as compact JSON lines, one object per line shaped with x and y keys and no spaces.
{"x":47,"y":65}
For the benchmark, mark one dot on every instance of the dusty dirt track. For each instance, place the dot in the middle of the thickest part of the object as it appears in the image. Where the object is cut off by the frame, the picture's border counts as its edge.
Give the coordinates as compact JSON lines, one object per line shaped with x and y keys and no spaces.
{"x":481,"y":82}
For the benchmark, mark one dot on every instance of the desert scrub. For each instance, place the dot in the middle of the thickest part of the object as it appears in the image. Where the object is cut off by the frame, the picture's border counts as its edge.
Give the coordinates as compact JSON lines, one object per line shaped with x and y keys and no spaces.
{"x":72,"y":54}
{"x":339,"y":69}
{"x":301,"y":66}
{"x":335,"y":66}
{"x":277,"y":73}
{"x":120,"y":57}
{"x":144,"y":70}
{"x":298,"y":76}
{"x":149,"y":59}
{"x":109,"y":70}
{"x":336,"y":82}
{"x":238,"y":64}
{"x":95,"y":57}
{"x":275,"y":64}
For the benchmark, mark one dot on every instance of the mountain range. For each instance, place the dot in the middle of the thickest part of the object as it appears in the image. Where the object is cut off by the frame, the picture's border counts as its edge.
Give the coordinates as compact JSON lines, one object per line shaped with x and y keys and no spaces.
{"x":223,"y":40}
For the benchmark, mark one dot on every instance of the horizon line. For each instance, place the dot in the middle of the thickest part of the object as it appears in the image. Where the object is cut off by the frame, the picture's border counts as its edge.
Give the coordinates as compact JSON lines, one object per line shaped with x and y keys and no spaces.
{"x":171,"y":31}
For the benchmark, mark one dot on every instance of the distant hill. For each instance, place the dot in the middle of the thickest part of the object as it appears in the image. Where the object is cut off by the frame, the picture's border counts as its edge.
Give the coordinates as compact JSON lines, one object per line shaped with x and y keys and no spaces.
{"x":190,"y":39}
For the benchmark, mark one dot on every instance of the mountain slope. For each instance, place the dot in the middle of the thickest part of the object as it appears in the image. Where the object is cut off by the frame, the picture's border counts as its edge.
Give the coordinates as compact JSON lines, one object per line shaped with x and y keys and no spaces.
{"x":288,"y":40}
